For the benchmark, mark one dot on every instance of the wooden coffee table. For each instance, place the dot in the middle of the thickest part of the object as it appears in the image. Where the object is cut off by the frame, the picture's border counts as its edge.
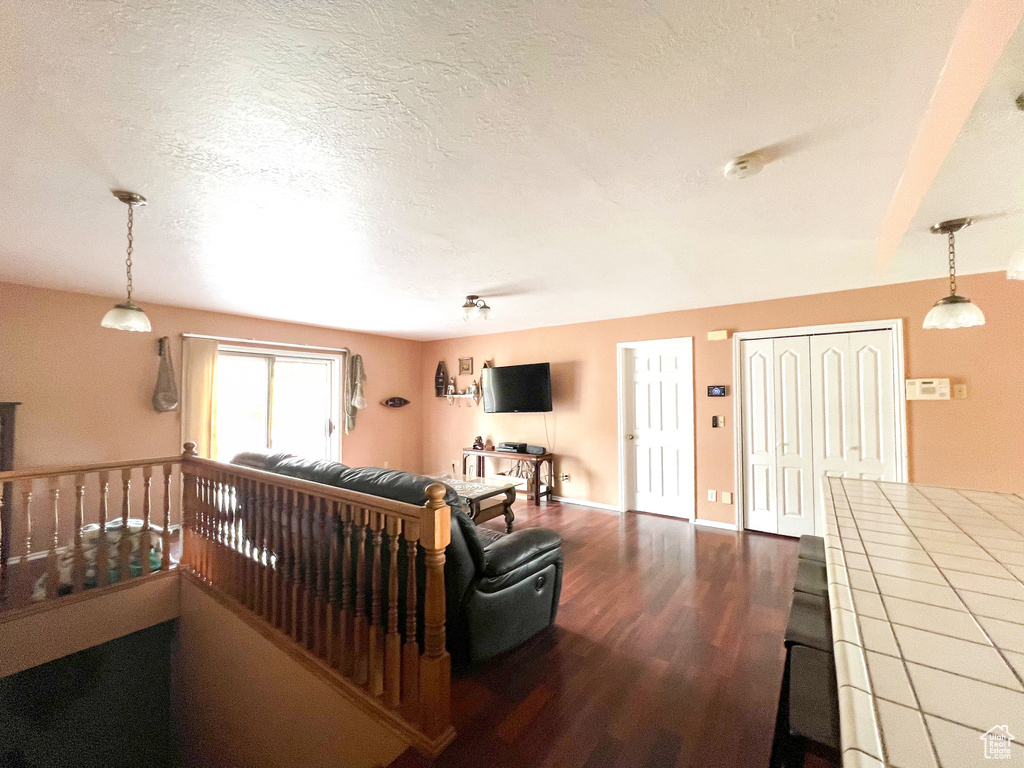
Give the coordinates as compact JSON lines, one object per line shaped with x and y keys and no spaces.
{"x":474,"y":491}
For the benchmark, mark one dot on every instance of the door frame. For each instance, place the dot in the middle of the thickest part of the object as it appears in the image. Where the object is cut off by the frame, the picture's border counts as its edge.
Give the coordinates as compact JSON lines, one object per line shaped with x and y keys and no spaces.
{"x":620,"y":356}
{"x":899,"y":384}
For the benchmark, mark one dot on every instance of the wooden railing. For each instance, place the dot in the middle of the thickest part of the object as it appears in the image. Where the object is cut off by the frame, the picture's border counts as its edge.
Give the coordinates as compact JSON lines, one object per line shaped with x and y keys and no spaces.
{"x":70,"y":518}
{"x":339,"y":574}
{"x":352,"y":584}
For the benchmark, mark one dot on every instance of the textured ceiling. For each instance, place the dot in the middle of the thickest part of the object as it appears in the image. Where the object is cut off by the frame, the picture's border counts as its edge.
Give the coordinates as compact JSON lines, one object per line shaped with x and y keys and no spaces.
{"x":982,"y":177}
{"x":367,"y":164}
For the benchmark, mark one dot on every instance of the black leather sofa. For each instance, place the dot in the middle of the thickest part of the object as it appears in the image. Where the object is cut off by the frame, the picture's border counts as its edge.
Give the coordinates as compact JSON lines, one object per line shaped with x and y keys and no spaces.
{"x":500,"y":589}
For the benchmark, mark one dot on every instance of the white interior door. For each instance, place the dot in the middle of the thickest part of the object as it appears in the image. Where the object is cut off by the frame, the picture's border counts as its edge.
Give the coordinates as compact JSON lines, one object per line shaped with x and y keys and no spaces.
{"x":794,"y":454}
{"x":759,"y":443}
{"x":658,"y":441}
{"x":854,"y":406}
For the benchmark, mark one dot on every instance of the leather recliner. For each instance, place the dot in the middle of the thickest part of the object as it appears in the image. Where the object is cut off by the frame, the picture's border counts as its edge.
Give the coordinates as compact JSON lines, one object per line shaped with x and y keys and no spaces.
{"x":500,"y":589}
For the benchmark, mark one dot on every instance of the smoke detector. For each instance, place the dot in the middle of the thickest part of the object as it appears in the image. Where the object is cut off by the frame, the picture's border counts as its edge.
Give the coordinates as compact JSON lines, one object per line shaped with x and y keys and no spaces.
{"x":743,"y":166}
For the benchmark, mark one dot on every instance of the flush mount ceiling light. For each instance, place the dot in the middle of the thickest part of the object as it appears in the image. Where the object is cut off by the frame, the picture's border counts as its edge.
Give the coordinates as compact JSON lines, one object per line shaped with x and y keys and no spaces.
{"x":953,"y":311}
{"x":128,"y":316}
{"x":475,"y":308}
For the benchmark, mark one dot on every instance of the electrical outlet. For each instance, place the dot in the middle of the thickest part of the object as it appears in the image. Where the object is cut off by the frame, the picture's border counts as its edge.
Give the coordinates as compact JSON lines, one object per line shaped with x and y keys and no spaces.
{"x":727,"y":497}
{"x":564,"y":477}
{"x":960,"y":391}
{"x":712,"y":495}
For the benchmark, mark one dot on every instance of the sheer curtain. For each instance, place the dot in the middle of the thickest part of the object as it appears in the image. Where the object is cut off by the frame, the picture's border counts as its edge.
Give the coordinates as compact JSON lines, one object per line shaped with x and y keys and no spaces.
{"x":198,"y":388}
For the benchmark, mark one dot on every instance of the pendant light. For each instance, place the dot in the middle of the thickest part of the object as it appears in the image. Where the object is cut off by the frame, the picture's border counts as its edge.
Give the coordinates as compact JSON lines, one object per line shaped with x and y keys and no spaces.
{"x":1016,"y":269}
{"x":475,"y":308}
{"x":128,"y":316}
{"x":953,"y":311}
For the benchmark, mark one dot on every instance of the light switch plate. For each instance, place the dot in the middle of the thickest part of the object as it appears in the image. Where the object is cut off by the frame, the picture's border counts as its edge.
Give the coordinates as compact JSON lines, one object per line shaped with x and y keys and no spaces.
{"x":727,"y":497}
{"x":712,"y":495}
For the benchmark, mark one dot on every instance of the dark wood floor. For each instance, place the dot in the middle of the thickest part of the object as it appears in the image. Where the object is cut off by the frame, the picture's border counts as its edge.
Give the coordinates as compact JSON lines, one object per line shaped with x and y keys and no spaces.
{"x":667,"y":652}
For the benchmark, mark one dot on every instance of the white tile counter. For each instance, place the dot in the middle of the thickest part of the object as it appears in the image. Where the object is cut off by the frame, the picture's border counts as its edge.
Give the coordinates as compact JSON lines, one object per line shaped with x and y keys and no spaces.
{"x":926,"y":587}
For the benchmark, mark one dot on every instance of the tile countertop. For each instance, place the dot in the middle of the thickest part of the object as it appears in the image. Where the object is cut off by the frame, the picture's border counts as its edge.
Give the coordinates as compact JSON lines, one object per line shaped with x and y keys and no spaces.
{"x":926,"y":587}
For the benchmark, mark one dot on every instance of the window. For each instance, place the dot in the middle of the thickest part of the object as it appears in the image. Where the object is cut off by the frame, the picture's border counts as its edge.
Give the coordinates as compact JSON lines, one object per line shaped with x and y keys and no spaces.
{"x":287,"y":403}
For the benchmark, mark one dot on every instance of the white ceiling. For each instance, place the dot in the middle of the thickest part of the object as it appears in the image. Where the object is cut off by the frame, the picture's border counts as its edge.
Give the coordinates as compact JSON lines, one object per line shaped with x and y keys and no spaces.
{"x":365,"y":165}
{"x":983,"y":178}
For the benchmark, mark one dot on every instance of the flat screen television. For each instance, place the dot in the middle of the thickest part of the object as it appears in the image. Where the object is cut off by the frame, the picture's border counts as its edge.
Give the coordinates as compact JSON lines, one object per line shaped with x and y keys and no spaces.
{"x":517,"y":388}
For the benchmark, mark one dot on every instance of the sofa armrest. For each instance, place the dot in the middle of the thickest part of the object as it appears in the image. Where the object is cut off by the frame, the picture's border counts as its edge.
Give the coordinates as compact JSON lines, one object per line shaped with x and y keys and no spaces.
{"x":516,"y":549}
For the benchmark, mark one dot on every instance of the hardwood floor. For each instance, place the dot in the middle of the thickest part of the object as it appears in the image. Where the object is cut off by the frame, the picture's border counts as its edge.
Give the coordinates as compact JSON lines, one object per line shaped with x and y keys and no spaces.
{"x":667,"y":652}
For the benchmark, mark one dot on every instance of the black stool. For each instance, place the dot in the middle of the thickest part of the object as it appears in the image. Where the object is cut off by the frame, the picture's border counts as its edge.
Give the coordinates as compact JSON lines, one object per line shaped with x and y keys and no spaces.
{"x":812,"y":548}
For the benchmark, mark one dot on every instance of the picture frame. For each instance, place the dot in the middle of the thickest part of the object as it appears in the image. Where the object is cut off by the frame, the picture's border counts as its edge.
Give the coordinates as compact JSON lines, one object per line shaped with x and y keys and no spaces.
{"x":465,"y":366}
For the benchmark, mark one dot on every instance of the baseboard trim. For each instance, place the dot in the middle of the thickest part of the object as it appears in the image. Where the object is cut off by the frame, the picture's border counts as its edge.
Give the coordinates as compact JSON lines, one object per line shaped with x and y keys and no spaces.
{"x":715,"y":524}
{"x":585,"y":503}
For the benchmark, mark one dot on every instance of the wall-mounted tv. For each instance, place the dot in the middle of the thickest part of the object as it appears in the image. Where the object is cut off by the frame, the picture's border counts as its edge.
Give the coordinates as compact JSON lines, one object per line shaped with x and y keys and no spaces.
{"x":517,"y":388}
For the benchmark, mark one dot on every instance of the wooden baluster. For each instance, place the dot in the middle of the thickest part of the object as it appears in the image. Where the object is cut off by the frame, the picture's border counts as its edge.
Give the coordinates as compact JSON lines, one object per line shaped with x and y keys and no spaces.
{"x":165,"y":536}
{"x":288,"y":562}
{"x":78,"y":555}
{"x":240,"y":533}
{"x":217,"y":532}
{"x":267,"y":509}
{"x":202,"y":556}
{"x":251,"y":537}
{"x":435,"y":664}
{"x":375,"y":644}
{"x":144,"y":535}
{"x":230,"y":501}
{"x":189,"y":508}
{"x":24,"y":569}
{"x":346,"y":619}
{"x":411,"y":649}
{"x":213,"y":531}
{"x":255,"y":546}
{"x":360,"y":629}
{"x":124,"y":544}
{"x":308,"y":572}
{"x":320,"y":557}
{"x":331,"y":531}
{"x":102,"y":548}
{"x":279,"y":560}
{"x":392,"y":641}
{"x":52,"y":566}
{"x":297,"y":563}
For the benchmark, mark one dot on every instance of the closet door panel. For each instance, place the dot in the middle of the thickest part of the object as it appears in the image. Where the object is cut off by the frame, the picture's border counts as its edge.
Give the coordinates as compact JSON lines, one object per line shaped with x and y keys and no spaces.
{"x":873,"y":453}
{"x":758,"y":430}
{"x":794,"y":454}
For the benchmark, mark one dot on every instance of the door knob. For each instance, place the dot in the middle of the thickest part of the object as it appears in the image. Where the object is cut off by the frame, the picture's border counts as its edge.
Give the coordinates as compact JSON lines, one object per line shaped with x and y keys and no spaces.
{"x":629,"y":437}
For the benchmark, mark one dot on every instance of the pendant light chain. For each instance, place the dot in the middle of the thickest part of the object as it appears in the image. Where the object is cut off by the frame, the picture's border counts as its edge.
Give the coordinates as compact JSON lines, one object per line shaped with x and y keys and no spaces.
{"x":952,"y":266}
{"x":128,"y":261}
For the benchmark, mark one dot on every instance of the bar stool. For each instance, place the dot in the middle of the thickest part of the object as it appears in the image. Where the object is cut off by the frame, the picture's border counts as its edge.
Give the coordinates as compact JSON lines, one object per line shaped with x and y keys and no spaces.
{"x":812,"y":548}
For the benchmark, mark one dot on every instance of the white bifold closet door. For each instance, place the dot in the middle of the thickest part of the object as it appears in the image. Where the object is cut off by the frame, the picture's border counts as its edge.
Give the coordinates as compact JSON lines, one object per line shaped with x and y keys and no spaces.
{"x":777,"y":439}
{"x":854,"y":404}
{"x":813,"y":406}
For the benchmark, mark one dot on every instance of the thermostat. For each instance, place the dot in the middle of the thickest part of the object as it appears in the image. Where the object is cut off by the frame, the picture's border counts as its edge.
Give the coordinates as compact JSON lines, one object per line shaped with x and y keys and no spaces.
{"x":718,"y":390}
{"x":927,"y":389}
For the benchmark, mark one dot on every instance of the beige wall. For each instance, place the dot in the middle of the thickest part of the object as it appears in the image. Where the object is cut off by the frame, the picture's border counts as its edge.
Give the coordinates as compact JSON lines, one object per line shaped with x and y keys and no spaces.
{"x":85,"y":390}
{"x":242,"y":701}
{"x":978,"y":442}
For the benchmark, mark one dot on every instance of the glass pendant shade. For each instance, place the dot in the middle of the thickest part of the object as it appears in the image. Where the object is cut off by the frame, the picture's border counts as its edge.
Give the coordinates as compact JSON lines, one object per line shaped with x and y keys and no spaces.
{"x":954,"y":312}
{"x":483,"y":312}
{"x":1016,"y":269}
{"x":127,"y":317}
